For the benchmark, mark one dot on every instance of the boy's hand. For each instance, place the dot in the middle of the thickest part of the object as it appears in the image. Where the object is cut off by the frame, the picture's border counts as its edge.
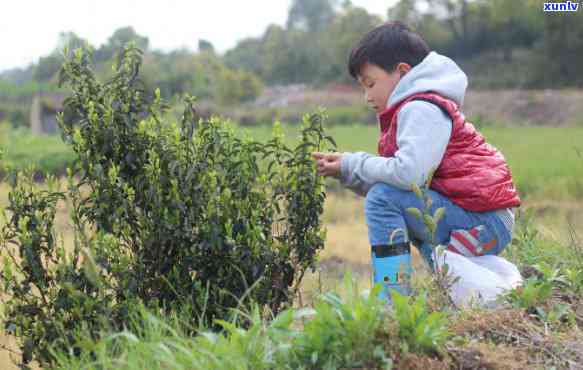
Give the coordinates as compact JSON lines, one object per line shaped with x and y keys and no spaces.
{"x":328,"y":164}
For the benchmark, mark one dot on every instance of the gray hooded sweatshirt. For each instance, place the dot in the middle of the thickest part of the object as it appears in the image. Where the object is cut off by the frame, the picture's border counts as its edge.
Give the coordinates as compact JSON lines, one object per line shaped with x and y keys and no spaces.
{"x":423,"y":132}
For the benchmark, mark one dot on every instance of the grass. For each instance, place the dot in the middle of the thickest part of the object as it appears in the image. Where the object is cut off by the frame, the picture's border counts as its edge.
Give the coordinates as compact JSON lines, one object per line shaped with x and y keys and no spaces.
{"x":336,"y":326}
{"x":21,"y":149}
{"x":546,"y":162}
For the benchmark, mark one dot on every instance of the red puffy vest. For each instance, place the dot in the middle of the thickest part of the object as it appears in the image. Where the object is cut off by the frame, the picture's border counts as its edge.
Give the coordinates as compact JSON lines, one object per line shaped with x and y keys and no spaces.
{"x":472,"y":174}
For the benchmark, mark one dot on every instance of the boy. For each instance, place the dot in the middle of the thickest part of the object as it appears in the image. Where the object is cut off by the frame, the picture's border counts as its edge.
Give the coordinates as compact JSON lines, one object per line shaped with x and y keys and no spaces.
{"x":417,"y":94}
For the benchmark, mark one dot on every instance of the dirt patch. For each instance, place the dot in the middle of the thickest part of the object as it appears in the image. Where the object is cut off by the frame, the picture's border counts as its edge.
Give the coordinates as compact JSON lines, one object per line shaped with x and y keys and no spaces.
{"x":336,"y":267}
{"x":411,"y":361}
{"x":537,"y":107}
{"x":513,"y":338}
{"x":483,"y":356}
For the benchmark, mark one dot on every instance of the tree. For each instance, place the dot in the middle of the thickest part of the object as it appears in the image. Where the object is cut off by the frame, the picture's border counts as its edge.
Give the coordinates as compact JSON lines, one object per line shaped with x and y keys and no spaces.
{"x":71,"y":41}
{"x":205,"y":46}
{"x":341,"y":36}
{"x":246,"y":55}
{"x":310,"y":15}
{"x":563,"y":49}
{"x":236,"y":86}
{"x":407,"y":12}
{"x":278,"y":56}
{"x":176,"y":73}
{"x":464,"y":28}
{"x":517,"y":24}
{"x":47,"y":67}
{"x":455,"y":14}
{"x":118,"y":39}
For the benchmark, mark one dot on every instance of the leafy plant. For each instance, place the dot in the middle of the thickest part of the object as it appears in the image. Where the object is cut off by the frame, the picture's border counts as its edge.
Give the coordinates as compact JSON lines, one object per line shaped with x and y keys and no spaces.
{"x":165,"y":215}
{"x":530,"y":294}
{"x":556,"y":314}
{"x":340,"y":326}
{"x":573,"y":279}
{"x":422,"y":331}
{"x":550,"y":273}
{"x":261,"y":346}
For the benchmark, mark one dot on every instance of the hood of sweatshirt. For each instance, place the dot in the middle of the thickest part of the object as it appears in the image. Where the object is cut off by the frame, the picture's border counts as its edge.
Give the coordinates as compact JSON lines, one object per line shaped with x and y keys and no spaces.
{"x":436,"y":73}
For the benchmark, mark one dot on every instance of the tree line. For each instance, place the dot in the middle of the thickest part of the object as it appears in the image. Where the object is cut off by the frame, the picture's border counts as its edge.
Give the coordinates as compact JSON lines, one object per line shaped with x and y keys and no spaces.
{"x":313,"y":46}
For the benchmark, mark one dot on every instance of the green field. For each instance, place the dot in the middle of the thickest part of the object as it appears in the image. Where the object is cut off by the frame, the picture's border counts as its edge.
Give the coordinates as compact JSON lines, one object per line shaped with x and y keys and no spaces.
{"x":546,"y":162}
{"x":22,"y":149}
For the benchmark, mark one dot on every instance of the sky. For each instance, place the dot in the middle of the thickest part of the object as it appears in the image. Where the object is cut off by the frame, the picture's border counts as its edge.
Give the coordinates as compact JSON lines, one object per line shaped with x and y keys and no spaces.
{"x":29,"y":29}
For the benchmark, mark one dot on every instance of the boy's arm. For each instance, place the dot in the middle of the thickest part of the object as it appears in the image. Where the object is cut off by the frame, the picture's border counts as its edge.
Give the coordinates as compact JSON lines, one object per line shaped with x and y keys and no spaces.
{"x":422,"y":136}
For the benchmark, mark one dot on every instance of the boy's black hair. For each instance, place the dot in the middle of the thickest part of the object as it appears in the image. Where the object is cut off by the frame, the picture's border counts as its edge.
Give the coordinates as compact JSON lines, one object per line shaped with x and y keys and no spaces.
{"x":386,"y":46}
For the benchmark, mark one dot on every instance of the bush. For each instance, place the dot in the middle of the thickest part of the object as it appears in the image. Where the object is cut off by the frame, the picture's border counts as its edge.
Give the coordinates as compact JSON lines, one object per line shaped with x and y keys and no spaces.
{"x":165,"y":215}
{"x":237,"y":86}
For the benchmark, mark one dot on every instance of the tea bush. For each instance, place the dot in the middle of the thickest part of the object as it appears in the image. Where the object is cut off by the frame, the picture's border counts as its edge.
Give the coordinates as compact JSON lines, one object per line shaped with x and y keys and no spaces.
{"x":165,"y":215}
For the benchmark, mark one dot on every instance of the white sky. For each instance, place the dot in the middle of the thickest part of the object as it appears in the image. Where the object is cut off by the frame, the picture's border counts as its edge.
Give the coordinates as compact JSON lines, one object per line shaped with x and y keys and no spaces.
{"x":29,"y":28}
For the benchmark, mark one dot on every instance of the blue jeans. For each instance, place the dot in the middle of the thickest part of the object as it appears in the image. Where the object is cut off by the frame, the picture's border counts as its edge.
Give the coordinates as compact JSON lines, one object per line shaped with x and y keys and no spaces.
{"x":390,"y":224}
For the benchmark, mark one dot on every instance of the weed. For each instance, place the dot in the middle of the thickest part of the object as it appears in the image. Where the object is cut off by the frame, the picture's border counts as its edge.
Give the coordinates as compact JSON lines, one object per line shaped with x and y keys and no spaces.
{"x":339,"y":326}
{"x":420,"y":330}
{"x":530,"y":294}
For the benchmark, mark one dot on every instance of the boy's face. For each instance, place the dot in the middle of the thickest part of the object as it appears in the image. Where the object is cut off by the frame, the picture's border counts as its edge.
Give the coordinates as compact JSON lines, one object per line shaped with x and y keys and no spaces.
{"x":378,"y":84}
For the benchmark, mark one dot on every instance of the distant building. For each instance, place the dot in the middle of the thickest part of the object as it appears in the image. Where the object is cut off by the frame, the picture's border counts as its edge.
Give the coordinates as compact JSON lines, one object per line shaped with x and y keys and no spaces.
{"x":43,"y":112}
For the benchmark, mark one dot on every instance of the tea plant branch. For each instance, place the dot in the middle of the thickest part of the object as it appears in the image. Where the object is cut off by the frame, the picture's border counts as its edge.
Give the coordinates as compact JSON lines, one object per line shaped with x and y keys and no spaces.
{"x":431,"y":221}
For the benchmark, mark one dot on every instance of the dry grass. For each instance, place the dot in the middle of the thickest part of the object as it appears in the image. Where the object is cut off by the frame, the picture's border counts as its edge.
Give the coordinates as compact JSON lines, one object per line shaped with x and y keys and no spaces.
{"x":513,"y":339}
{"x":347,"y":237}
